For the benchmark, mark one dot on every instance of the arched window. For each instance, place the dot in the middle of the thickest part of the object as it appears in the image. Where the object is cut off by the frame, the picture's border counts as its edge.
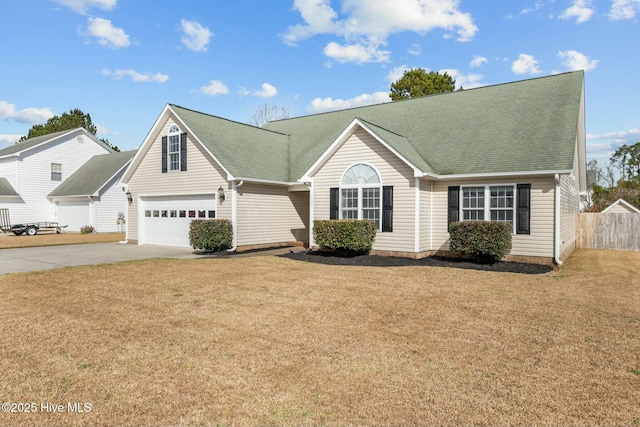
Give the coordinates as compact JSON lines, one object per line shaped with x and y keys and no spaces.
{"x":360,"y":193}
{"x":173,"y":149}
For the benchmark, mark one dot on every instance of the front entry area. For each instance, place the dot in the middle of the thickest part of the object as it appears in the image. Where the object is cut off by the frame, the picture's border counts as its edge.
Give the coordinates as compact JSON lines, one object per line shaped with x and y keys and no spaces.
{"x":165,"y":220}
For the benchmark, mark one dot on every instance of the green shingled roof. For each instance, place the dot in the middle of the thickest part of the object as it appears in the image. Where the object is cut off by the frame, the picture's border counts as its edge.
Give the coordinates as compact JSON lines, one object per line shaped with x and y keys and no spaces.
{"x":525,"y":126}
{"x":93,"y":175}
{"x":245,"y":151}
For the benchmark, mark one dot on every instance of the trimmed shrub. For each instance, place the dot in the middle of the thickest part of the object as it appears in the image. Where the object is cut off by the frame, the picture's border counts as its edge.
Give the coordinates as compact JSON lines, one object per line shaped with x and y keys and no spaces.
{"x":87,"y":229}
{"x":484,"y":241}
{"x":345,"y":236}
{"x":211,"y":235}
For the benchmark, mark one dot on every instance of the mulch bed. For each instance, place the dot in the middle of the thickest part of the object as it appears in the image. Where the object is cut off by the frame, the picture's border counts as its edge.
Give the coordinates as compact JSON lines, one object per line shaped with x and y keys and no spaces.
{"x":321,"y":257}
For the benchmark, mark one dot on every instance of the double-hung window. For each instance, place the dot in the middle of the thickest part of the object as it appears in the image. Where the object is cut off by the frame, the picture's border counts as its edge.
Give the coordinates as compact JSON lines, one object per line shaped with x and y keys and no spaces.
{"x":506,"y":203}
{"x":490,"y":203}
{"x":56,"y":171}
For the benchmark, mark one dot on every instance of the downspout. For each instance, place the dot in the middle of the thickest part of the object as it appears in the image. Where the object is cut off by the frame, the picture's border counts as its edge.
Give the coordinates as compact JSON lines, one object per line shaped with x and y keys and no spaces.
{"x":416,"y":220}
{"x":311,"y":210}
{"x":557,"y":223}
{"x":234,"y":213}
{"x":431,"y":215}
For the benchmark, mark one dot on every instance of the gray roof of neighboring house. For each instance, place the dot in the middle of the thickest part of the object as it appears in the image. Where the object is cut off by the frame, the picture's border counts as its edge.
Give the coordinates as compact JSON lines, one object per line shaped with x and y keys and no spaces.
{"x":524,"y":126}
{"x":33,"y":142}
{"x":6,"y":189}
{"x":93,"y":175}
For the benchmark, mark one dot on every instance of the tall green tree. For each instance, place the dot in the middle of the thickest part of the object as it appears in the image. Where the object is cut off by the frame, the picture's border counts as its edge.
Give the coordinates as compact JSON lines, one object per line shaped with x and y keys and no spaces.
{"x":417,"y":82}
{"x":75,"y":118}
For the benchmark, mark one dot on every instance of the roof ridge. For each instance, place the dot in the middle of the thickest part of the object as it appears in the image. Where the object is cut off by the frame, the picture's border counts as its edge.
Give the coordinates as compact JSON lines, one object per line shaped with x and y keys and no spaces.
{"x":225,"y":119}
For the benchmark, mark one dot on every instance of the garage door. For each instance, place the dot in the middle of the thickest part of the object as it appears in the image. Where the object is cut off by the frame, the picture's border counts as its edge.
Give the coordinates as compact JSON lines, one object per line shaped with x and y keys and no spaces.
{"x":75,"y":215}
{"x":165,"y":220}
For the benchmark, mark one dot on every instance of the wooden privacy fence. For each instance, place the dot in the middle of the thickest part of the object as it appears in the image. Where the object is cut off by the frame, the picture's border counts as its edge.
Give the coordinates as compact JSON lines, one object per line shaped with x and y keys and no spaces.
{"x":608,"y":231}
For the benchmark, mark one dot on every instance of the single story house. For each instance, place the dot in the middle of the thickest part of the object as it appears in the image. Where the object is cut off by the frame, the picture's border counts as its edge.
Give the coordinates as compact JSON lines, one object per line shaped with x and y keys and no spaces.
{"x":511,"y":152}
{"x":35,"y":173}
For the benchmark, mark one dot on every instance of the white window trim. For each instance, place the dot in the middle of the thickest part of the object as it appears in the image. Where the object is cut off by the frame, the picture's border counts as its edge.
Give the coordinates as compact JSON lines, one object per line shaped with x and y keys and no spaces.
{"x":56,"y":172}
{"x":171,"y":133}
{"x":360,"y":187}
{"x":487,"y":201}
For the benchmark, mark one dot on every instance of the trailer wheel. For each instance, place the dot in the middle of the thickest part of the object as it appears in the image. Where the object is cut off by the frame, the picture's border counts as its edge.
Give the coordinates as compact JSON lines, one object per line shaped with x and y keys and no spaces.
{"x":17,"y":232}
{"x":31,"y":231}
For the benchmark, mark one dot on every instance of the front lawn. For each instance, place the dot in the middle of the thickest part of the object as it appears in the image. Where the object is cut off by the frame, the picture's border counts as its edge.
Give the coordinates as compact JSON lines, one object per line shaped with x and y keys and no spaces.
{"x":10,"y":240}
{"x":273,"y":341}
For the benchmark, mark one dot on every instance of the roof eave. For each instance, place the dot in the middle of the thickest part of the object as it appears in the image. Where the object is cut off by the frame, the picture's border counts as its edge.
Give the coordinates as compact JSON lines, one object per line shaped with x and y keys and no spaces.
{"x":497,"y":174}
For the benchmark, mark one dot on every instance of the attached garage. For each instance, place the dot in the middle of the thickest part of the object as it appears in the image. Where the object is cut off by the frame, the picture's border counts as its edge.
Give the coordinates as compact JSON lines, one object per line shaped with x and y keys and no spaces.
{"x":165,"y":220}
{"x":74,"y":215}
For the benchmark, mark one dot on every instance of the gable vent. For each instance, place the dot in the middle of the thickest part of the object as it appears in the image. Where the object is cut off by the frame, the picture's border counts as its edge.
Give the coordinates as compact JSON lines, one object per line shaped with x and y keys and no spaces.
{"x":80,"y":139}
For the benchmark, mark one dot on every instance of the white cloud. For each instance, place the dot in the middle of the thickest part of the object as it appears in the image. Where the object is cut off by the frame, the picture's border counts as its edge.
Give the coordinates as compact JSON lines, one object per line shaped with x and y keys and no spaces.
{"x":8,"y":139}
{"x":321,"y":105}
{"x":478,"y":61}
{"x":267,"y":91}
{"x":196,"y":37}
{"x":356,"y":53}
{"x":574,"y":60}
{"x":466,"y":81}
{"x":396,"y":73}
{"x":582,"y":10}
{"x":624,"y":9}
{"x":136,"y":76}
{"x":28,"y":115}
{"x":107,"y":34}
{"x":415,"y":49}
{"x":365,"y":27}
{"x":216,"y":87}
{"x":611,"y":141}
{"x":82,"y":6}
{"x":537,"y":6}
{"x":525,"y":64}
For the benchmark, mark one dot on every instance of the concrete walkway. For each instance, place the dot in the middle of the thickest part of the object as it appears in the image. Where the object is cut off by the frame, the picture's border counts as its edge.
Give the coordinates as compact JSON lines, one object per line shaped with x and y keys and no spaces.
{"x":21,"y":260}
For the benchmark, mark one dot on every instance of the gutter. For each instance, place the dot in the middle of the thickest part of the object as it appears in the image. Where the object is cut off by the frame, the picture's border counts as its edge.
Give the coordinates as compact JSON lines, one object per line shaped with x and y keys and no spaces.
{"x":556,"y":249}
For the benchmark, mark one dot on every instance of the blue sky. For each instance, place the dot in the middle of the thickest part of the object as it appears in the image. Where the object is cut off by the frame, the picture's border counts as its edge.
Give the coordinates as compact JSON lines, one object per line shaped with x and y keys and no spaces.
{"x":123,"y":60}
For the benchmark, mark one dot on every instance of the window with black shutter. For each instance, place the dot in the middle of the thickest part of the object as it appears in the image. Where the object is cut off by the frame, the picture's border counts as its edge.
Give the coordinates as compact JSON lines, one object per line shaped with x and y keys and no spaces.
{"x":334,"y":203}
{"x":183,"y":152}
{"x":164,"y":154}
{"x":523,"y":210}
{"x":454,"y":204}
{"x":387,"y":208}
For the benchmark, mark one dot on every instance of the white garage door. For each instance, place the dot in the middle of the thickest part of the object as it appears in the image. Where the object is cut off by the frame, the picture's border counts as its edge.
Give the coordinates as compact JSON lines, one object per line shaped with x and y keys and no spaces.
{"x":165,"y":220}
{"x":73,"y":214}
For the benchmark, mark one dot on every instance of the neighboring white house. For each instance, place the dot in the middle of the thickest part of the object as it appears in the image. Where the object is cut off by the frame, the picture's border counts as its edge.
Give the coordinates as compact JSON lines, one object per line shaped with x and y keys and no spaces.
{"x":33,"y":169}
{"x":91,"y":197}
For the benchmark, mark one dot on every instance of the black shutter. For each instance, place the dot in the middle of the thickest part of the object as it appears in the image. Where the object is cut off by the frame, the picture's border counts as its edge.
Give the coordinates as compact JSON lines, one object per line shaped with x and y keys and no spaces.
{"x":164,"y":154}
{"x":387,"y":208}
{"x":183,"y":152}
{"x":523,"y":209}
{"x":454,"y":204}
{"x":334,"y":207}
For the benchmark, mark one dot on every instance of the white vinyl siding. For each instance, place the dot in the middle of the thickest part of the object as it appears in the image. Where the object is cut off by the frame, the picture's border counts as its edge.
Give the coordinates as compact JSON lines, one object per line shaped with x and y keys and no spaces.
{"x":30,"y":175}
{"x":538,"y":243}
{"x":203,"y":176}
{"x":361,"y":147}
{"x":270,"y":214}
{"x":106,"y":208}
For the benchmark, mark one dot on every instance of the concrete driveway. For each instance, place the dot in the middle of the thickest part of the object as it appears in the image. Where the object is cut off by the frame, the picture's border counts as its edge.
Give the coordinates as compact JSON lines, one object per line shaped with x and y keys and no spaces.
{"x":22,"y":260}
{"x":47,"y":257}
